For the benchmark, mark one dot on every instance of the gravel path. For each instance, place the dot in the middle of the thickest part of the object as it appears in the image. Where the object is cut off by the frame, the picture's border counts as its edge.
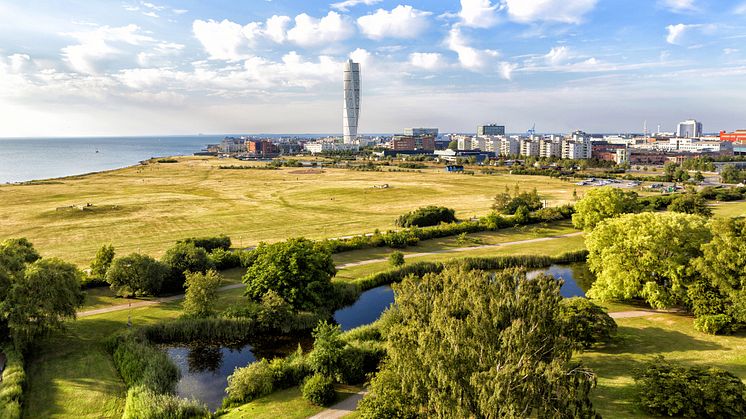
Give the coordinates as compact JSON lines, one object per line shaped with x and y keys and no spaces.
{"x":341,"y":409}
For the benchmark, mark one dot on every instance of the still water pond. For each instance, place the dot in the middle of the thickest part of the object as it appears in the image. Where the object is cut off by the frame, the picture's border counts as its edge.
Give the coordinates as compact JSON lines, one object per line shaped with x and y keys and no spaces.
{"x":577,"y":278}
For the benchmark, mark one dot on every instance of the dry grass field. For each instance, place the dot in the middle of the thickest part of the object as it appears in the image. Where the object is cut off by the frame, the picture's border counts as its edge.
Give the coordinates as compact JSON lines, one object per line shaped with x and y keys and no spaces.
{"x":148,"y":207}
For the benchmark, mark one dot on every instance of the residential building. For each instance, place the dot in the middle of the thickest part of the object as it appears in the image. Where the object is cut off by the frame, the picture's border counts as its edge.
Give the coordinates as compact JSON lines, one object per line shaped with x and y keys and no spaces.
{"x":549,"y":148}
{"x":529,"y":147}
{"x":414,"y":132}
{"x":232,"y":145}
{"x":351,"y":112}
{"x":479,"y":143}
{"x":464,"y":142}
{"x":492,"y":129}
{"x":578,"y":147}
{"x":322,"y":146}
{"x":261,"y":148}
{"x":409,"y":142}
{"x":689,"y":129}
{"x":510,"y":146}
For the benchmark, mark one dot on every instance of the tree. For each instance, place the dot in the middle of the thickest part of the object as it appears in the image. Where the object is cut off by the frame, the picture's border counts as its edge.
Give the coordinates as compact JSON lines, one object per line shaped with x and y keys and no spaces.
{"x":427,"y":216}
{"x":201,"y":293}
{"x":699,"y":177}
{"x":473,"y":344}
{"x":181,"y":258}
{"x":136,"y":275}
{"x":102,"y":262}
{"x":396,"y":259}
{"x":602,"y":203}
{"x":453,"y":145}
{"x":731,"y":174}
{"x":690,"y":203}
{"x":299,"y":270}
{"x":47,"y":293}
{"x":509,"y":204}
{"x":326,"y":355}
{"x":645,"y":255}
{"x":585,"y":322}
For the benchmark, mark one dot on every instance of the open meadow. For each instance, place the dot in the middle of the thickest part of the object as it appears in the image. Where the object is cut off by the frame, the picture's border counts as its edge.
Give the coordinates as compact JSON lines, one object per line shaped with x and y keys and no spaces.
{"x":149,"y":207}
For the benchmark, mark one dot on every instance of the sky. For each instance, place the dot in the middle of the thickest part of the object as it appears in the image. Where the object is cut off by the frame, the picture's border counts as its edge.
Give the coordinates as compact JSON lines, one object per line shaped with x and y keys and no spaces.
{"x":86,"y":68}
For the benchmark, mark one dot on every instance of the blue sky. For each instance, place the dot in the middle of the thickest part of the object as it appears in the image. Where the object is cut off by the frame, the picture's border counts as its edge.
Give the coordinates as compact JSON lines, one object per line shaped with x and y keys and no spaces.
{"x":178,"y":67}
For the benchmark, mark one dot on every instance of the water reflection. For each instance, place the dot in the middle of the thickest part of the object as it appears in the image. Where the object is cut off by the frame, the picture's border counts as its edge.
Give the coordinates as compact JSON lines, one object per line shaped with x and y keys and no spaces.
{"x":577,"y":278}
{"x":367,"y":308}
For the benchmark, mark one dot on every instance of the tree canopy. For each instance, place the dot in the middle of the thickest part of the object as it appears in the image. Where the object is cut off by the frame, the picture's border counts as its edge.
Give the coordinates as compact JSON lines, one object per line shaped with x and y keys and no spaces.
{"x":181,"y":258}
{"x":690,"y":203}
{"x":470,"y":344}
{"x":298,"y":270}
{"x":201,"y":293}
{"x":427,"y":216}
{"x":601,"y":203}
{"x":645,"y":255}
{"x":136,"y":275}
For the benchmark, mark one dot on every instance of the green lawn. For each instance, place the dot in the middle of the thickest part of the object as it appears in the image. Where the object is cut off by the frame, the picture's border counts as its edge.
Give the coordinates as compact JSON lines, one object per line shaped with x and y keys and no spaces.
{"x":670,"y":335}
{"x":149,"y":207}
{"x":729,"y":209}
{"x":285,"y":404}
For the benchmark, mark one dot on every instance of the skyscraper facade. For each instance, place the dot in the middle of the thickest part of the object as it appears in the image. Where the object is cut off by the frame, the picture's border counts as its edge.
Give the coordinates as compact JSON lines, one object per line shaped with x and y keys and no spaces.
{"x":352,"y":101}
{"x":689,"y":129}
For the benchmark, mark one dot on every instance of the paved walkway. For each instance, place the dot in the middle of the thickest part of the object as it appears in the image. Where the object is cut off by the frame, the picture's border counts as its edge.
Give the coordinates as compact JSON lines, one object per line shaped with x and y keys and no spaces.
{"x":341,"y":409}
{"x":640,"y":313}
{"x":139,"y":304}
{"x":461,"y":249}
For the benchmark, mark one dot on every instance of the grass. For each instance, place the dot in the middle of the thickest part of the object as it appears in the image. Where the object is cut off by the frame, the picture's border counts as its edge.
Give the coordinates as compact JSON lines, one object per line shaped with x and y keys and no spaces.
{"x":286,"y":404}
{"x":670,"y":335}
{"x":729,"y":209}
{"x":149,"y":207}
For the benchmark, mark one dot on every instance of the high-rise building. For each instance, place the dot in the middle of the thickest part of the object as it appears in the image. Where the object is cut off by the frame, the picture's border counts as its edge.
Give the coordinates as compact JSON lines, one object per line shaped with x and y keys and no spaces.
{"x":421,"y":131}
{"x":689,"y":129}
{"x":351,"y":111}
{"x":491,"y":129}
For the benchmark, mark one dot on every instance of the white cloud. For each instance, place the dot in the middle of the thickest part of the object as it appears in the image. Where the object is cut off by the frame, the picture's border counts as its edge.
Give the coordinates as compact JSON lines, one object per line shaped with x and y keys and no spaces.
{"x":729,"y":51}
{"x":361,"y":56}
{"x":223,"y":40}
{"x":344,"y":6}
{"x":479,"y":13}
{"x":565,"y":11}
{"x":469,"y":57}
{"x":557,"y":55}
{"x":682,"y":34}
{"x":401,"y":22}
{"x":679,"y":6}
{"x":506,"y":70}
{"x":276,"y":28}
{"x":309,"y":31}
{"x":99,"y":44}
{"x":740,"y":9}
{"x":180,"y":11}
{"x":676,"y":33}
{"x":150,"y":14}
{"x":152,"y":6}
{"x":426,"y":60}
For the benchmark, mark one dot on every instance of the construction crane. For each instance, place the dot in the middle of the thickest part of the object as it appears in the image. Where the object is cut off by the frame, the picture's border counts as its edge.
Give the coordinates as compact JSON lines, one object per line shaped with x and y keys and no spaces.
{"x":532,"y":131}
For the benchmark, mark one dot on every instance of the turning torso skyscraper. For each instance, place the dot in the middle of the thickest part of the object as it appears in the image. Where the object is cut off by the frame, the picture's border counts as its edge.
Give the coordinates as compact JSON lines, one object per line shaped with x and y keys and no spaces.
{"x":352,"y":101}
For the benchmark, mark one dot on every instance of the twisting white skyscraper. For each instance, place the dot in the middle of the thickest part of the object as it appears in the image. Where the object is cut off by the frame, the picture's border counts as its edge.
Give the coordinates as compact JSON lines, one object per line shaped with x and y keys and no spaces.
{"x":352,"y":101}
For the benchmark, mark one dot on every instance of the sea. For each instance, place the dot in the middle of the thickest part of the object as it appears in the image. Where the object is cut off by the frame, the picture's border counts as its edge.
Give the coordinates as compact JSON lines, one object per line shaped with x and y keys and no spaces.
{"x":25,"y":159}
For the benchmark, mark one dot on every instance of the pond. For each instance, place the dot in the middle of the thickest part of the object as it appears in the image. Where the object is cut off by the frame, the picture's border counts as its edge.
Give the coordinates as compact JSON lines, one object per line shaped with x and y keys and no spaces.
{"x":577,"y":277}
{"x":205,"y":368}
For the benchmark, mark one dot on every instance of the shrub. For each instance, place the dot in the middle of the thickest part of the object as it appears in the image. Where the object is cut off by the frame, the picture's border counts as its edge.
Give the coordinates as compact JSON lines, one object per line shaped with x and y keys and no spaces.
{"x":145,"y":404}
{"x":327,"y":349}
{"x":209,"y":243}
{"x":360,"y":358}
{"x":690,"y":203}
{"x":400,"y":239}
{"x":289,"y":371}
{"x":319,"y":390}
{"x":396,"y":259}
{"x":585,"y":322}
{"x":666,"y":389}
{"x":507,"y":204}
{"x":181,"y":258}
{"x":714,"y":324}
{"x":427,"y":216}
{"x":223,"y":259}
{"x":250,"y":382}
{"x":139,"y":363}
{"x":136,"y":274}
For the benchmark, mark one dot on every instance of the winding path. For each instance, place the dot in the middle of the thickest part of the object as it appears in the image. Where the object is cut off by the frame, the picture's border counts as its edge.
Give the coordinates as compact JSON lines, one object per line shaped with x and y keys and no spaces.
{"x":343,"y":408}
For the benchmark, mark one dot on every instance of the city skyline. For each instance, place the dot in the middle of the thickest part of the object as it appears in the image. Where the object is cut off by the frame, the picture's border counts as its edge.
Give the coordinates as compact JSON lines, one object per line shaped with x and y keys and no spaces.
{"x":168,"y":68}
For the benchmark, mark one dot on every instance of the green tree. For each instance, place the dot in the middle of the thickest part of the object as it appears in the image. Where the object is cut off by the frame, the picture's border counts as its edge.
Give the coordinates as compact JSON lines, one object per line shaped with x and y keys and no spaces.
{"x":136,"y":275}
{"x":47,"y":294}
{"x":453,"y":145}
{"x":299,"y":270}
{"x":731,"y":174}
{"x":102,"y":262}
{"x":201,"y":293}
{"x":326,"y":355}
{"x":585,"y":322}
{"x":602,"y":203}
{"x":690,"y":203}
{"x":473,"y":344}
{"x":699,"y":177}
{"x":182,"y":258}
{"x":645,"y":255}
{"x":396,"y":259}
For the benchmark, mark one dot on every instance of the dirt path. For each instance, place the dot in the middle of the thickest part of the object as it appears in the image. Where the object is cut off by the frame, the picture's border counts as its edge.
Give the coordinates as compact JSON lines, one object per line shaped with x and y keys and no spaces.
{"x":461,"y":249}
{"x":640,"y":313}
{"x":341,"y":409}
{"x":146,"y":303}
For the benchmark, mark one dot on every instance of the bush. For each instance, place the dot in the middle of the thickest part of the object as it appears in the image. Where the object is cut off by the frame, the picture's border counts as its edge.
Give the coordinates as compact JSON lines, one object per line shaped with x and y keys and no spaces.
{"x":585,"y":322}
{"x":209,"y":243}
{"x":427,"y":216}
{"x":223,"y":259}
{"x":690,"y":203}
{"x":507,"y":204}
{"x":396,"y":259}
{"x":139,"y":363}
{"x":12,"y":382}
{"x":181,"y":258}
{"x":319,"y":390}
{"x":669,"y":390}
{"x":201,"y":294}
{"x":400,"y":239}
{"x":250,"y":382}
{"x":289,"y":371}
{"x":714,"y":324}
{"x":145,"y":404}
{"x":136,"y":275}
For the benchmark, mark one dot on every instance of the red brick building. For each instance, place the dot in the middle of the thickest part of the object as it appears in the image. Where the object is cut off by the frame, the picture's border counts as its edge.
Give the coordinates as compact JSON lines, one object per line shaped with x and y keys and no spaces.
{"x":410,"y":143}
{"x":261,"y":148}
{"x":738,"y":136}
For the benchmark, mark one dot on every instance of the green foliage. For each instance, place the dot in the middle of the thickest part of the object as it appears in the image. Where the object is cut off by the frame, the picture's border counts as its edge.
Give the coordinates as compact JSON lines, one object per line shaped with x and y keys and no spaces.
{"x":456,"y":326}
{"x":522,"y":216}
{"x":40,"y":300}
{"x":299,"y":270}
{"x":645,"y":255}
{"x":325,"y":357}
{"x":601,"y":203}
{"x":225,"y":259}
{"x":102,"y":262}
{"x":201,"y":294}
{"x":453,"y":145}
{"x":690,"y":203}
{"x":714,"y":324}
{"x":319,"y":390}
{"x":275,"y":313}
{"x":427,"y":216}
{"x":585,"y":322}
{"x":666,"y":389}
{"x":140,"y":363}
{"x":732,"y":174}
{"x":12,"y":382}
{"x":509,"y":204}
{"x":180,"y":259}
{"x":250,"y":382}
{"x":210,"y":330}
{"x":143,"y":403}
{"x":396,"y":259}
{"x":289,"y":371}
{"x":136,"y":275}
{"x":400,"y":239}
{"x":209,"y":243}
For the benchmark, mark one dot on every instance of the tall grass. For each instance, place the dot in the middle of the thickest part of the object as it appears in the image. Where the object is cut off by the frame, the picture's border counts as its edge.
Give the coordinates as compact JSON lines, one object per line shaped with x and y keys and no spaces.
{"x":144,"y":403}
{"x":13,"y":381}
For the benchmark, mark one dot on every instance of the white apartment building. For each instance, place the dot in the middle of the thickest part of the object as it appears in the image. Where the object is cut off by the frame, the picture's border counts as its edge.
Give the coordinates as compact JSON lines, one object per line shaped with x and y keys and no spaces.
{"x":550,"y":148}
{"x":529,"y":147}
{"x":509,"y":146}
{"x":689,"y":129}
{"x":328,"y":146}
{"x":464,"y":142}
